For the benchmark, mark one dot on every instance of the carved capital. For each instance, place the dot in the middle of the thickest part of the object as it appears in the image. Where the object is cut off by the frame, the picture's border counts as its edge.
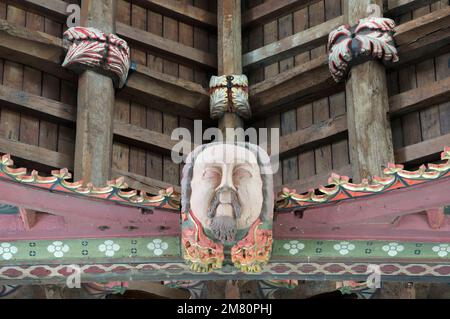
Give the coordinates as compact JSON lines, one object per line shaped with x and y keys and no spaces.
{"x":371,"y":39}
{"x":91,"y":48}
{"x":229,"y":93}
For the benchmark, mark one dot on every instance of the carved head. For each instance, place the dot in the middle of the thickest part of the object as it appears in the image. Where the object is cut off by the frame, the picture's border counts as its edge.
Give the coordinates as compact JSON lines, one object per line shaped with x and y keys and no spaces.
{"x":227,"y":189}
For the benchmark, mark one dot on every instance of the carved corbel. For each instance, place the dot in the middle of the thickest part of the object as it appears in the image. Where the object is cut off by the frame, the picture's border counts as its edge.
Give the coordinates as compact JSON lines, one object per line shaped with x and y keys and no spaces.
{"x":229,"y":93}
{"x":371,"y":39}
{"x":91,"y":48}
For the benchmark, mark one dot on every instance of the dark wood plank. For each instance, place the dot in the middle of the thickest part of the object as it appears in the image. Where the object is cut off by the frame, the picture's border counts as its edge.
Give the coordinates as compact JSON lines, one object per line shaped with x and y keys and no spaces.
{"x":165,"y":47}
{"x":272,"y":9}
{"x":181,"y":11}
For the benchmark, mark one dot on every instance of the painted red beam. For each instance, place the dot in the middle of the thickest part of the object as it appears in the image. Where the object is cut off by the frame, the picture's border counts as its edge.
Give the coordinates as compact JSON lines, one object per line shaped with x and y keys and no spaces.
{"x":379,"y":216}
{"x":86,"y":211}
{"x":50,"y":227}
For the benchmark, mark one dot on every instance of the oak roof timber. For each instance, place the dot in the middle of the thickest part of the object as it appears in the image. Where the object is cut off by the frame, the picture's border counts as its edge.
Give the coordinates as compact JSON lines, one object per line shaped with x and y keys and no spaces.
{"x":177,"y":51}
{"x":46,"y":52}
{"x":181,"y":11}
{"x":417,"y":40}
{"x":33,"y":48}
{"x":398,"y":7}
{"x":56,"y":10}
{"x":59,"y":112}
{"x":272,"y":9}
{"x":297,"y":43}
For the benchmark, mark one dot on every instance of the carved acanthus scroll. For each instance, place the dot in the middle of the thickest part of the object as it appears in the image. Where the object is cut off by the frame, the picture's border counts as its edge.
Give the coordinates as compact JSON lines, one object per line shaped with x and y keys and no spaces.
{"x":91,"y":48}
{"x":229,"y":94}
{"x":372,"y":38}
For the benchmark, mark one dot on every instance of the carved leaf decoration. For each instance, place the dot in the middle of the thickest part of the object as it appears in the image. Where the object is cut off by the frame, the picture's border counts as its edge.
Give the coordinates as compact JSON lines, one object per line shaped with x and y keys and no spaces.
{"x":378,"y":44}
{"x":371,"y":37}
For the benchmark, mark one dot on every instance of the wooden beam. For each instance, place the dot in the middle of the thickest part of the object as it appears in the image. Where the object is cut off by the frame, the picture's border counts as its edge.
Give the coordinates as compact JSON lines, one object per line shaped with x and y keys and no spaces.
{"x":369,"y":130}
{"x":144,"y":183}
{"x":35,"y":49}
{"x":302,"y":84}
{"x":312,"y":136}
{"x":147,"y":139}
{"x":416,"y":99}
{"x":398,"y":7}
{"x":425,"y":151}
{"x":292,"y":45}
{"x":28,"y":217}
{"x":37,"y":106}
{"x":422,"y":37}
{"x":229,"y":52}
{"x":53,"y":9}
{"x":95,"y":109}
{"x":167,"y":93}
{"x":36,"y":154}
{"x":312,"y":80}
{"x":181,"y":11}
{"x":86,"y":209}
{"x":272,"y":9}
{"x":59,"y":112}
{"x":166,"y":48}
{"x":386,"y":207}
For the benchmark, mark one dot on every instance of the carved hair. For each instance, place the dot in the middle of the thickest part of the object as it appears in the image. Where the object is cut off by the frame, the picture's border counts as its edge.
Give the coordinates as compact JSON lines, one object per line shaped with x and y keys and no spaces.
{"x":265,"y":169}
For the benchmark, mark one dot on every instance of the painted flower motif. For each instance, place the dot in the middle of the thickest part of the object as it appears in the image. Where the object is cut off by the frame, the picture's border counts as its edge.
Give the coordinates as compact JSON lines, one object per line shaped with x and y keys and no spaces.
{"x":7,"y":251}
{"x":109,"y":248}
{"x":442,"y":250}
{"x":344,"y":247}
{"x":58,"y":249}
{"x":294,"y":246}
{"x":158,"y":246}
{"x":393,"y":249}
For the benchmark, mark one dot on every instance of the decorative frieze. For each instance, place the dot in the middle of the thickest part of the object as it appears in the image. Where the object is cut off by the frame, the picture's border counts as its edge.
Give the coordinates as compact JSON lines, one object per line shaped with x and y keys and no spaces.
{"x":91,"y":48}
{"x":372,"y":38}
{"x":229,"y":93}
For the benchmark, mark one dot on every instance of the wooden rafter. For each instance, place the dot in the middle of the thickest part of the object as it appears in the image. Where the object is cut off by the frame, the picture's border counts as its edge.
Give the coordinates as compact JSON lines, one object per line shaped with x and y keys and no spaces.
{"x":53,"y":9}
{"x":312,"y":136}
{"x":33,"y":48}
{"x":292,"y":45}
{"x":272,"y":9}
{"x":175,"y":95}
{"x":46,"y":52}
{"x":417,"y":39}
{"x":398,"y":7}
{"x":181,"y":11}
{"x":168,"y":48}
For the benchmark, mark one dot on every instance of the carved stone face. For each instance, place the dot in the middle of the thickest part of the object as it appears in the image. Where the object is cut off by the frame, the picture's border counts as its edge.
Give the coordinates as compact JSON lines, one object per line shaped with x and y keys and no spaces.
{"x":227,"y":193}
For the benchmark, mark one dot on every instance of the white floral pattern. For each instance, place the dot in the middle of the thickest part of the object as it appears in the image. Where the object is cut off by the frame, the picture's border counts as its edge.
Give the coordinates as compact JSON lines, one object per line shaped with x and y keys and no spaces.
{"x":158,"y":246}
{"x":442,"y":250}
{"x":294,"y":246}
{"x":7,"y":251}
{"x":109,"y":248}
{"x":58,"y":249}
{"x":393,"y":249}
{"x":344,"y":247}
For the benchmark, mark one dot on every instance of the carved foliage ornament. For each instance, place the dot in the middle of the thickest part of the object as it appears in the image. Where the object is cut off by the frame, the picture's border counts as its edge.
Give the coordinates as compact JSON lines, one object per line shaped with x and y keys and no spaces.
{"x":372,"y":38}
{"x":229,"y":94}
{"x":227,"y":207}
{"x":89,"y":47}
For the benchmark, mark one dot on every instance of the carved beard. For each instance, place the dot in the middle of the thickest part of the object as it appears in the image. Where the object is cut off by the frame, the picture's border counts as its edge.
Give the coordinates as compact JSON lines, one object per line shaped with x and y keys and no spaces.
{"x":224,"y":228}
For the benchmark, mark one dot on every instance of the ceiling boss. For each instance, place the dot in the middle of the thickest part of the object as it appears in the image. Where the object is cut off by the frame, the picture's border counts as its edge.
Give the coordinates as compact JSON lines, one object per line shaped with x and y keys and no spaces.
{"x":227,"y":207}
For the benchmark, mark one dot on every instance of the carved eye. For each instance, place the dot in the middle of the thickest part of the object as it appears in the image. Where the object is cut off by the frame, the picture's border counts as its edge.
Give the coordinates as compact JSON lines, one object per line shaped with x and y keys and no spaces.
{"x":240,"y":173}
{"x":213,"y":174}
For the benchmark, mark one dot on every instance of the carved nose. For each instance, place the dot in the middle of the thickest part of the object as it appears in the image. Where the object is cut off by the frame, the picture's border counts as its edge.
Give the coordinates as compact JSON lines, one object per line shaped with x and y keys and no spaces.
{"x":225,"y":197}
{"x":227,"y":181}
